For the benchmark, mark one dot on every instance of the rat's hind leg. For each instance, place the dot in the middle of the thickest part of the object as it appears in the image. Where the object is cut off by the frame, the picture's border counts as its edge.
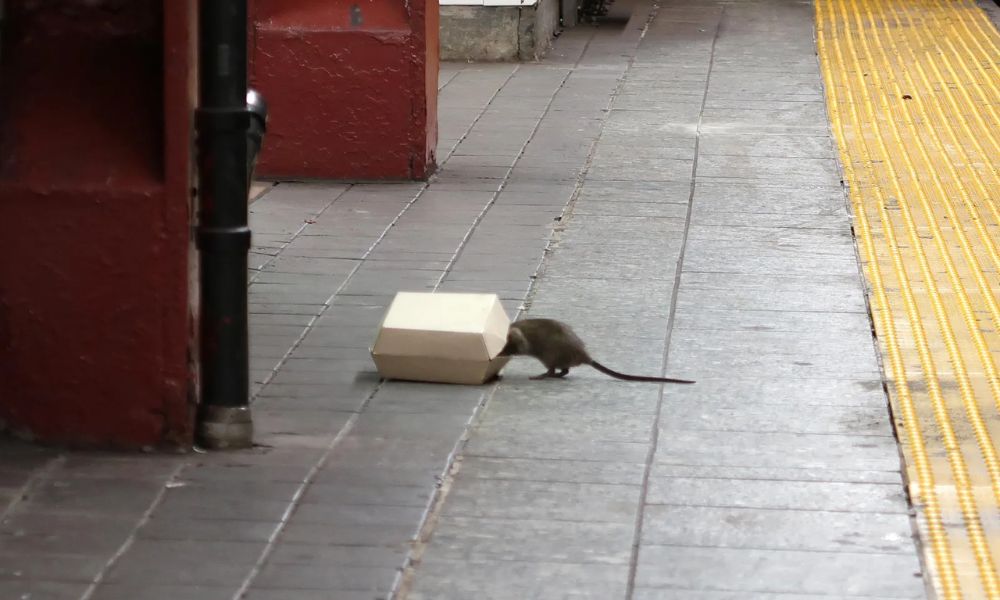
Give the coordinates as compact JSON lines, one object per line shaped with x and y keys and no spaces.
{"x":562,"y":373}
{"x":545,"y":375}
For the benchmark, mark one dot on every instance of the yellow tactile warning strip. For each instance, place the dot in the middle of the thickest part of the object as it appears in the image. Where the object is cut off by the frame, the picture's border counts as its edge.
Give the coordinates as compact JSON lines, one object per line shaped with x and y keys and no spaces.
{"x":913,"y":90}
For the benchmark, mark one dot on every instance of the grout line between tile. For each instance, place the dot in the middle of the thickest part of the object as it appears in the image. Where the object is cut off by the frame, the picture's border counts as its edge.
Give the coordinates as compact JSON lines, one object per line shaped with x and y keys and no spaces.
{"x":305,"y":224}
{"x":297,"y":498}
{"x":146,"y":516}
{"x":654,"y":437}
{"x":25,"y":490}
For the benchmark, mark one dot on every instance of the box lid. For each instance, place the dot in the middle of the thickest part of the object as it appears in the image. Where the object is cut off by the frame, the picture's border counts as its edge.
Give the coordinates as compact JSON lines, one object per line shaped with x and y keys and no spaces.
{"x":443,"y":325}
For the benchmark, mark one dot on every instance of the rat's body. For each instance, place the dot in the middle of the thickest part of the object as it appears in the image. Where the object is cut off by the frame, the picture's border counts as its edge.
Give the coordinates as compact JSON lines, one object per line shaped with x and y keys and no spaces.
{"x":559,"y":349}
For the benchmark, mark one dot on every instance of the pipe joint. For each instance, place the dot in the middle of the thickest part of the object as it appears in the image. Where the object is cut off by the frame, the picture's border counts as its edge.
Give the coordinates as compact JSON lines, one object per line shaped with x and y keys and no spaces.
{"x":224,"y":240}
{"x":233,"y":120}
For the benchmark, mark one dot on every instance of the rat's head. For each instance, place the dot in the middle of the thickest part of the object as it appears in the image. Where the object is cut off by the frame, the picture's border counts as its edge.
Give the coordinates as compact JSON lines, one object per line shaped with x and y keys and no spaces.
{"x":516,"y":344}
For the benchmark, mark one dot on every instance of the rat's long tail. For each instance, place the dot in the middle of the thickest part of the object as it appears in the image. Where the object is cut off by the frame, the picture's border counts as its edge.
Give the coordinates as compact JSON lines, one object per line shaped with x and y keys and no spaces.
{"x":626,"y":377}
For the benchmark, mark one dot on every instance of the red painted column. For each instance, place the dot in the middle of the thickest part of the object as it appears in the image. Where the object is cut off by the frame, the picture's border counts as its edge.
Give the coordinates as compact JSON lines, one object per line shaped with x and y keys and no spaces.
{"x":351,"y":86}
{"x":96,"y":320}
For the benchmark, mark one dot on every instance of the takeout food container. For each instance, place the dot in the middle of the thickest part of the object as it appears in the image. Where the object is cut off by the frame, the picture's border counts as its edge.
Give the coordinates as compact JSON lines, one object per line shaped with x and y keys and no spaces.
{"x":442,"y":337}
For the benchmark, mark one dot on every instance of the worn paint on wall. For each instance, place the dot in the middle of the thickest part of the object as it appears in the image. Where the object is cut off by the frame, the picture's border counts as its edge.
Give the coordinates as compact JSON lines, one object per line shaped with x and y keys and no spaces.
{"x":351,"y":86}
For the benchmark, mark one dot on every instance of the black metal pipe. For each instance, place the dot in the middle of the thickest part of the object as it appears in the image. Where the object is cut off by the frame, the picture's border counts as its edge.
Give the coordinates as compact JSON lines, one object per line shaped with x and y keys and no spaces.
{"x":2,"y":13}
{"x":223,"y":234}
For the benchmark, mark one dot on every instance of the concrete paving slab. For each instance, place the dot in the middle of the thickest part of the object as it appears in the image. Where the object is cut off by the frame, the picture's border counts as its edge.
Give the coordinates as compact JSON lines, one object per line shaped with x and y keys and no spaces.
{"x":764,"y":529}
{"x":376,"y":581}
{"x":610,"y":395}
{"x":176,"y":570}
{"x":804,"y":392}
{"x":769,"y":259}
{"x":856,"y":351}
{"x":826,"y":292}
{"x":332,"y":555}
{"x":564,"y":471}
{"x":41,"y":590}
{"x":50,"y":567}
{"x":400,"y":535}
{"x":607,"y":424}
{"x":54,"y":533}
{"x":480,"y":539}
{"x":515,"y":580}
{"x":779,"y":449}
{"x":100,"y":495}
{"x":216,"y":530}
{"x":126,"y":591}
{"x":888,"y":476}
{"x":769,"y":169}
{"x":685,"y":594}
{"x":342,"y":472}
{"x":511,"y":499}
{"x":596,"y":208}
{"x":503,"y":444}
{"x":805,"y":241}
{"x":777,"y":494}
{"x":705,"y":361}
{"x":752,"y":571}
{"x":871,"y":420}
{"x":852,"y":324}
{"x":301,"y":594}
{"x":367,"y":493}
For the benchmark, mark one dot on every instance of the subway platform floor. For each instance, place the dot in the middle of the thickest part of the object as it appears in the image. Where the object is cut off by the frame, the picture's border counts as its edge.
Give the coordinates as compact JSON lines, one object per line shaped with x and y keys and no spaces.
{"x":669,"y":183}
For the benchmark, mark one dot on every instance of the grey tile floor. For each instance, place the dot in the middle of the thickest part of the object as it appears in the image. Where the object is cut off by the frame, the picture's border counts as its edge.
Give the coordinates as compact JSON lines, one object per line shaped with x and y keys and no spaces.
{"x":667,"y":184}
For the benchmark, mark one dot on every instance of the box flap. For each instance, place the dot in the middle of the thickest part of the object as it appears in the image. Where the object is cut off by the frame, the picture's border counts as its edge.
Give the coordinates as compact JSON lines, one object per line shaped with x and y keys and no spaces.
{"x":436,"y":344}
{"x":495,"y":328}
{"x":440,"y":311}
{"x":421,"y":368}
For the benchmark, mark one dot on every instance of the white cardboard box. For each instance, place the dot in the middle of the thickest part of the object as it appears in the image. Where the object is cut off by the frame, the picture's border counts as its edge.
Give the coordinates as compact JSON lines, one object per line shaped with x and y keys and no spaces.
{"x":440,"y":337}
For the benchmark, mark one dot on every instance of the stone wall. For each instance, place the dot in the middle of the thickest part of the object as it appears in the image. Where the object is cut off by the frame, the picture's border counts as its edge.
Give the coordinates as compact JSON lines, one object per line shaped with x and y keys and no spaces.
{"x":498,"y":33}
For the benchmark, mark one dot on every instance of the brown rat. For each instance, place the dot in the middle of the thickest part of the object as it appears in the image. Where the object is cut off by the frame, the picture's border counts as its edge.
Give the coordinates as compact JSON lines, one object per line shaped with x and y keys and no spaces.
{"x":559,"y":349}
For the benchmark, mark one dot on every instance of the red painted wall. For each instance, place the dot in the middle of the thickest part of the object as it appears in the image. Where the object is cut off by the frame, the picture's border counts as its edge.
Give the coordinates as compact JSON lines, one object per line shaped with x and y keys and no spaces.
{"x":95,"y":178}
{"x":351,"y":86}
